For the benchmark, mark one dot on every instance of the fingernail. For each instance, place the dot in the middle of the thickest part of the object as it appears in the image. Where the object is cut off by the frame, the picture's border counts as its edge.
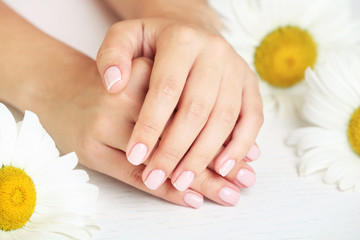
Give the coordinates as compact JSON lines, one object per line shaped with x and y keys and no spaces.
{"x":193,"y":200}
{"x":112,"y":75}
{"x":226,"y":167}
{"x":137,"y":154}
{"x":246,"y":178}
{"x":184,"y":180}
{"x":229,"y":195}
{"x":254,"y":153}
{"x":155,"y":179}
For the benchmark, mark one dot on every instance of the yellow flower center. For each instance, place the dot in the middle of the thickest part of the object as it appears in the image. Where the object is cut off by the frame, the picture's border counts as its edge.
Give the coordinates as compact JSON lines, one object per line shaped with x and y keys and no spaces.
{"x":17,"y":198}
{"x":354,"y":131}
{"x":283,"y":56}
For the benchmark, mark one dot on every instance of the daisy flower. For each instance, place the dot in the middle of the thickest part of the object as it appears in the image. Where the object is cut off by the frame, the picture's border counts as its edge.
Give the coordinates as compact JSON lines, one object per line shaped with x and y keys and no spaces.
{"x":41,"y":195}
{"x":279,"y":39}
{"x":332,"y":107}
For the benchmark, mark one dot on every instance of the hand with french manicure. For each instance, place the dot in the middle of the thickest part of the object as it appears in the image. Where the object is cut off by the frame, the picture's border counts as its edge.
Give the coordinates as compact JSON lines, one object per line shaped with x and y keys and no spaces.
{"x":203,"y":101}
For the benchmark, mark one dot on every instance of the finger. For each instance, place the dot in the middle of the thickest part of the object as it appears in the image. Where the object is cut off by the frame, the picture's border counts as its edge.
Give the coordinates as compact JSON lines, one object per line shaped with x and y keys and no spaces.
{"x":114,"y":163}
{"x":248,"y":126}
{"x":133,"y":96}
{"x":122,"y":43}
{"x":224,"y":191}
{"x":219,"y":126}
{"x":216,"y":188}
{"x":193,"y":111}
{"x":172,"y":64}
{"x":253,"y":154}
{"x":241,"y":174}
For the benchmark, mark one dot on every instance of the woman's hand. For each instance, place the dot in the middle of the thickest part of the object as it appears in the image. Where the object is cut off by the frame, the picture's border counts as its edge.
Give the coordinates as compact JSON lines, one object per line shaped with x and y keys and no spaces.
{"x":103,"y":124}
{"x":97,"y":126}
{"x":62,"y":87}
{"x":198,"y":75}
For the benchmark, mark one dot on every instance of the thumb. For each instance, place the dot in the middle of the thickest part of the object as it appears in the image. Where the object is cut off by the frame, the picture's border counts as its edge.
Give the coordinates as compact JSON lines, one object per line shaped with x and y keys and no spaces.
{"x":122,"y":43}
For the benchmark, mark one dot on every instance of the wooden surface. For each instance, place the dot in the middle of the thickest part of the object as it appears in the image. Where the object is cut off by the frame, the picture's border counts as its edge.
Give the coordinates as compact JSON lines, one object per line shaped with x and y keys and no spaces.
{"x":280,"y":206}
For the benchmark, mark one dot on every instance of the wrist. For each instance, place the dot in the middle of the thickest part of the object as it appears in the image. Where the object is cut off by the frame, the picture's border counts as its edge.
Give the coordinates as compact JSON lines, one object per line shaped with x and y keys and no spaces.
{"x":44,"y":75}
{"x":33,"y":65}
{"x":193,"y":12}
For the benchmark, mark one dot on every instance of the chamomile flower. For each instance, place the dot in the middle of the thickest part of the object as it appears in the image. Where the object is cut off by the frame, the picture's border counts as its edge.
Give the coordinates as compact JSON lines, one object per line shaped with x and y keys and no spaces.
{"x":332,"y":107}
{"x":280,"y":38}
{"x":41,"y":195}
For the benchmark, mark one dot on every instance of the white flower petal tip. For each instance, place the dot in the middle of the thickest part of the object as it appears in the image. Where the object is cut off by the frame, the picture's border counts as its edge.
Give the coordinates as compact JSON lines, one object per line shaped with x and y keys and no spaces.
{"x":302,"y":173}
{"x":60,"y":202}
{"x":327,"y":145}
{"x":258,"y":29}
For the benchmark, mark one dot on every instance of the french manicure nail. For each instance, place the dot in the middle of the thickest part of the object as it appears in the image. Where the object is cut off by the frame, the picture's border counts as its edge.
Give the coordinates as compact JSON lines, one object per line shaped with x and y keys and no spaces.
{"x":229,"y":195}
{"x":254,"y":153}
{"x":226,"y":167}
{"x":137,"y":154}
{"x":246,"y":178}
{"x":184,"y":180}
{"x":112,"y":75}
{"x":155,"y":179}
{"x":193,"y":200}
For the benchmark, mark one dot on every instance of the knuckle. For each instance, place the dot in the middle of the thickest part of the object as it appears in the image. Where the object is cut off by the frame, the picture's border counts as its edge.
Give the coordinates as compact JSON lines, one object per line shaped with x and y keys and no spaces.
{"x":136,"y":174}
{"x":98,"y":124}
{"x":252,"y":75}
{"x":185,"y":34}
{"x":132,"y":101}
{"x":241,"y":65}
{"x":203,"y":157}
{"x":115,"y":27}
{"x":197,"y":111}
{"x":143,"y":64}
{"x":150,"y":130}
{"x":108,"y":48}
{"x":168,"y":88}
{"x":204,"y":183}
{"x":89,"y":152}
{"x":228,"y":116}
{"x":219,"y":43}
{"x":171,"y":155}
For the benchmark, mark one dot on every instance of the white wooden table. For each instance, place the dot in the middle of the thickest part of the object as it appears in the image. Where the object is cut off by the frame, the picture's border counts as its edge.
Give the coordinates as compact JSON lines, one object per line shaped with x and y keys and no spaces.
{"x":280,"y":206}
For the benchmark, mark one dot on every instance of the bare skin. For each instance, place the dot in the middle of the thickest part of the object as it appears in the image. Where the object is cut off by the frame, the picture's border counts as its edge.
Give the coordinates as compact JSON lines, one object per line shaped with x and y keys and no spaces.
{"x":64,"y":88}
{"x":198,"y":74}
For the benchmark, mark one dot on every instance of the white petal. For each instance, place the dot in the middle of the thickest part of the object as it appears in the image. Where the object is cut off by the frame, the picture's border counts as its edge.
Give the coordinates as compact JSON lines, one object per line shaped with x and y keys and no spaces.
{"x":8,"y":135}
{"x":28,"y":141}
{"x":312,"y":137}
{"x":46,"y":153}
{"x":28,"y":234}
{"x":60,"y":218}
{"x":79,"y":201}
{"x":247,"y":22}
{"x":320,"y":103}
{"x":345,"y":172}
{"x":5,"y":235}
{"x":350,"y":180}
{"x":55,"y":169}
{"x":63,"y":229}
{"x":71,"y":179}
{"x":317,"y":159}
